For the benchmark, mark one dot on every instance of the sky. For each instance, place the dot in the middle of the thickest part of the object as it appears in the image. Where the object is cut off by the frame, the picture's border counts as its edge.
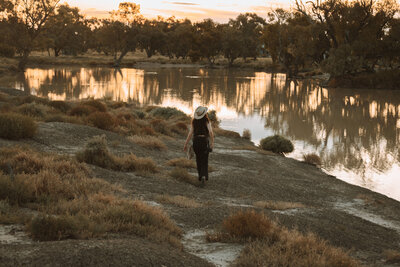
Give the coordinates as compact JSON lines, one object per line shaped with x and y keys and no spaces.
{"x":195,"y":10}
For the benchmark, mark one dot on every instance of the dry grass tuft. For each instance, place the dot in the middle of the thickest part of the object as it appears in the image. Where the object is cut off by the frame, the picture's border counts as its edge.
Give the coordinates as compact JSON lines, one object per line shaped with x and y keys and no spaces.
{"x":96,"y":104}
{"x":226,"y":133}
{"x":312,"y":159}
{"x":182,"y":163}
{"x":246,"y":134}
{"x":70,"y":202}
{"x":278,"y":205}
{"x":180,"y":201}
{"x":60,"y":105}
{"x":81,"y":110}
{"x":16,"y":126}
{"x":272,"y":245}
{"x":102,"y":120}
{"x":34,"y":110}
{"x":148,"y":142}
{"x":160,"y":126}
{"x":294,"y":249}
{"x":392,"y":256}
{"x":183,"y":175}
{"x":96,"y":152}
{"x":63,"y":118}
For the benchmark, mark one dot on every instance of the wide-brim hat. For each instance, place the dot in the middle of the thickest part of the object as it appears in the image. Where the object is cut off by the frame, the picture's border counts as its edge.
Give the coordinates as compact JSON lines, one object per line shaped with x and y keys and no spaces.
{"x":200,"y":112}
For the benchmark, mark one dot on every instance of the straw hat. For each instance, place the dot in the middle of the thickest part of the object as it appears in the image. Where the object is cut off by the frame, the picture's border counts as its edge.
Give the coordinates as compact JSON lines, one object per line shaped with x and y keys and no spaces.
{"x":200,"y":112}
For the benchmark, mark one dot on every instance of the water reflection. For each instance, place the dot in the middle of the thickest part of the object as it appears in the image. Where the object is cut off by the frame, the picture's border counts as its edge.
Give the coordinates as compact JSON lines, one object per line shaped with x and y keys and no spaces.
{"x":356,"y":133}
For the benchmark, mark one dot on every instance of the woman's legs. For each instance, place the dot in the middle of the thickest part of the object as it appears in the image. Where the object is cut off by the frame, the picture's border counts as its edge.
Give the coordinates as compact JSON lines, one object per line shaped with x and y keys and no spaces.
{"x":201,"y":150}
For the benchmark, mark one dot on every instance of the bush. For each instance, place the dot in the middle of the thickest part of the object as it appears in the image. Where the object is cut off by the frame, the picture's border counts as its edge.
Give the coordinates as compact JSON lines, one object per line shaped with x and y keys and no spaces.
{"x":98,"y":105}
{"x":139,"y":114}
{"x":33,"y":110}
{"x":246,"y":134}
{"x":167,"y":113}
{"x":226,"y":133}
{"x":312,"y":159}
{"x":102,"y":120}
{"x":249,"y":224}
{"x":277,"y":144}
{"x":51,"y":228}
{"x":60,"y":105}
{"x":212,"y":115}
{"x":16,"y":126}
{"x":82,"y":110}
{"x":160,"y":126}
{"x":182,"y":162}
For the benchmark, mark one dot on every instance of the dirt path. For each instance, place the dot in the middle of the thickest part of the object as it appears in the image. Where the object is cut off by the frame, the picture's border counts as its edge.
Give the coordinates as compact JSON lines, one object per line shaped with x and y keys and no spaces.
{"x":347,"y":216}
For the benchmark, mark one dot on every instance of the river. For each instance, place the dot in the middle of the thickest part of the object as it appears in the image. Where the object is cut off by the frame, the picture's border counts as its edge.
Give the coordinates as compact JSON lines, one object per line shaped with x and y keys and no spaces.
{"x":355,"y":132}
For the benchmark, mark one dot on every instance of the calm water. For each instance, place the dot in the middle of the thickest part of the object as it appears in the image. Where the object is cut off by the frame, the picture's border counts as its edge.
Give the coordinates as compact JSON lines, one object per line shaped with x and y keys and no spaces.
{"x":355,"y":132}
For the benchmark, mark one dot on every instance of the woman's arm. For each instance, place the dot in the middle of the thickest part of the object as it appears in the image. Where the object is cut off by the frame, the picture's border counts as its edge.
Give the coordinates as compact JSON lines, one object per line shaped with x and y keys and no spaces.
{"x":211,"y":133}
{"x":190,"y":134}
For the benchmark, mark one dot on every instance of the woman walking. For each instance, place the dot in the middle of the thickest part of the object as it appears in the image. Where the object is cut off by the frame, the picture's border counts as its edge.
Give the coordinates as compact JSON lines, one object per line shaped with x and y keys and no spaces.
{"x":203,"y":140}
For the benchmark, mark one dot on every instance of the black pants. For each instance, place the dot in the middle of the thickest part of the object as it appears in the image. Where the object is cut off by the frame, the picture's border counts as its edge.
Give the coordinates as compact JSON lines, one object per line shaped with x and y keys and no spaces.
{"x":200,"y":147}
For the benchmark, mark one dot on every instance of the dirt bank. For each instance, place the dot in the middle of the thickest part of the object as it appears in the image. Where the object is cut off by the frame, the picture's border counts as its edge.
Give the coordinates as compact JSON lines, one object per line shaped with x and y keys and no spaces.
{"x":347,"y":216}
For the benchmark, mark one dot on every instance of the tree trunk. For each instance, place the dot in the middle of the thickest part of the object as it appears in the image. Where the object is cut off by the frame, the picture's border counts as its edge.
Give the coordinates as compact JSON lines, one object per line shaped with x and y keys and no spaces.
{"x":23,"y":61}
{"x":117,"y":62}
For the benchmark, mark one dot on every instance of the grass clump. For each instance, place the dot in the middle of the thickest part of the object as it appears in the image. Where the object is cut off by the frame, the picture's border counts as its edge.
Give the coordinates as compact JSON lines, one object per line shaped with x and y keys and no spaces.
{"x":60,"y":105}
{"x":167,"y":112}
{"x":246,"y":134}
{"x":34,"y":110}
{"x":277,"y":144}
{"x":71,"y":204}
{"x":160,"y":126}
{"x":278,"y":205}
{"x":180,"y":201}
{"x":96,"y":152}
{"x":272,"y":245}
{"x":16,"y":126}
{"x":96,"y":104}
{"x":312,"y":159}
{"x":148,"y":141}
{"x":181,"y":163}
{"x":183,"y":175}
{"x":102,"y":120}
{"x":82,"y":110}
{"x":226,"y":133}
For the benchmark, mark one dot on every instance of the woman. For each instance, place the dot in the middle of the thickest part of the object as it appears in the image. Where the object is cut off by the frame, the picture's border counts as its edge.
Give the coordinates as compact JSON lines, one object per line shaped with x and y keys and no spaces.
{"x":201,"y":131}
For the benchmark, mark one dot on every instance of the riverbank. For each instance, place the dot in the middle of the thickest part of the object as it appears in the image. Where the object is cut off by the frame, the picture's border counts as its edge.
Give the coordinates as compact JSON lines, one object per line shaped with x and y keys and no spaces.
{"x":135,"y":60}
{"x":297,"y":195}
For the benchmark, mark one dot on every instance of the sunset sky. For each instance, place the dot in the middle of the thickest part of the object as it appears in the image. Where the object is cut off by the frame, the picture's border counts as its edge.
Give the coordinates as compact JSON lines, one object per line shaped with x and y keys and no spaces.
{"x":195,"y":10}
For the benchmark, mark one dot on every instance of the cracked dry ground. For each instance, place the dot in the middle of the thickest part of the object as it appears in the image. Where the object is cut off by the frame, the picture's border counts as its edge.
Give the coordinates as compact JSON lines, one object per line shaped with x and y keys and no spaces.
{"x":333,"y":209}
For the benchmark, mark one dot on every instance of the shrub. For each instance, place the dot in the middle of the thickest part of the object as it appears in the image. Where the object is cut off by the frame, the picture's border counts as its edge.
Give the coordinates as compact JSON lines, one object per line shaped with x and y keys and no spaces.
{"x":226,"y":133}
{"x":249,"y":224}
{"x":33,"y":110}
{"x":148,"y":142}
{"x":179,"y":127}
{"x":96,"y":152}
{"x":98,"y":105}
{"x":183,"y":175}
{"x":102,"y":120}
{"x":246,"y":134}
{"x":294,"y":249}
{"x":312,"y":159}
{"x":147,"y":130}
{"x":139,"y":114}
{"x":63,"y":118}
{"x":49,"y":228}
{"x":60,"y":105}
{"x":277,"y":144}
{"x":15,"y":126}
{"x":167,"y":113}
{"x":182,"y":163}
{"x":212,"y":115}
{"x":81,"y":110}
{"x":19,"y":100}
{"x":160,"y":126}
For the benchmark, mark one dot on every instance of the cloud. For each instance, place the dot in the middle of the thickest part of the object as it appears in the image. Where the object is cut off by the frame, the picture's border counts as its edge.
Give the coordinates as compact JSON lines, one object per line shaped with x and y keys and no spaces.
{"x":183,"y":3}
{"x":93,"y":12}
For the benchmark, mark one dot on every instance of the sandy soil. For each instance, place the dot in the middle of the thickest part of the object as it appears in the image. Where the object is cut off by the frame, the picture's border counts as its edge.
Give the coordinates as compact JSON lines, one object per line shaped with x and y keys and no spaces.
{"x":348,"y":216}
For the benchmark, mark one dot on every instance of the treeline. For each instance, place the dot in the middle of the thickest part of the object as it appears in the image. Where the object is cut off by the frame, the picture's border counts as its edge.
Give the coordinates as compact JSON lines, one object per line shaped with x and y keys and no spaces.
{"x":340,"y":37}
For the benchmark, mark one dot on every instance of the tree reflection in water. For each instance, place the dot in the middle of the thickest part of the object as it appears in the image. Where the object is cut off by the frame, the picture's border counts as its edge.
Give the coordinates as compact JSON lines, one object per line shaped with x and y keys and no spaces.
{"x":352,"y":130}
